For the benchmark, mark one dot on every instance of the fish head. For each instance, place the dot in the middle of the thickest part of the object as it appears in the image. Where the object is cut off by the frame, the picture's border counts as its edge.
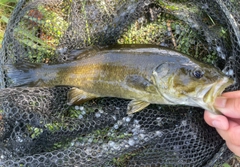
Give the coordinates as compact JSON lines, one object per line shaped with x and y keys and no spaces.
{"x":190,"y":83}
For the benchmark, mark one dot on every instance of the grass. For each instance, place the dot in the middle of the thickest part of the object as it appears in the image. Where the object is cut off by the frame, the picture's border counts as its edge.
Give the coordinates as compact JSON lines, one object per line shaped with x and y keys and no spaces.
{"x":40,"y":29}
{"x":6,"y":8}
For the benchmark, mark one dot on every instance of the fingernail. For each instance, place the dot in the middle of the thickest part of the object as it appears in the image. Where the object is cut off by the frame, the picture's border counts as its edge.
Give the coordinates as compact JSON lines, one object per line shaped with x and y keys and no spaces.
{"x":220,"y":102}
{"x":217,"y":124}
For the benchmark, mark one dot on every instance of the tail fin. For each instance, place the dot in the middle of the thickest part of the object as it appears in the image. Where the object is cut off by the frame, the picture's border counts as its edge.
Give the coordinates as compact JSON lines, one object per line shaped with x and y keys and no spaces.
{"x":23,"y":74}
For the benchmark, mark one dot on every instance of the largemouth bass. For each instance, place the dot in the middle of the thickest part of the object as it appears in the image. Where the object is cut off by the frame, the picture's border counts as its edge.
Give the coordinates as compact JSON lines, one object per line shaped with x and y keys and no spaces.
{"x":143,"y":73}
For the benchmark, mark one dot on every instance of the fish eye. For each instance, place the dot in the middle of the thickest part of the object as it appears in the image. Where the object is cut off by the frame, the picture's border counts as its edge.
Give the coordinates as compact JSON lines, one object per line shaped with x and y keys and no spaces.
{"x":198,"y":74}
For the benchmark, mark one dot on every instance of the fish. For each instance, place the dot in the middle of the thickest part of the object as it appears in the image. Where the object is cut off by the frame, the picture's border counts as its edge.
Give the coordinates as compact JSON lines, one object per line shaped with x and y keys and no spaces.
{"x":144,"y":74}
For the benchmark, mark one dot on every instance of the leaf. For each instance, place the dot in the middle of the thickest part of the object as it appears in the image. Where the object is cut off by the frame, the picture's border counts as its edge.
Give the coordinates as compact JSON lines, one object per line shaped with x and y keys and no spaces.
{"x":4,"y":18}
{"x":7,"y":1}
{"x":226,"y":165}
{"x":31,"y":40}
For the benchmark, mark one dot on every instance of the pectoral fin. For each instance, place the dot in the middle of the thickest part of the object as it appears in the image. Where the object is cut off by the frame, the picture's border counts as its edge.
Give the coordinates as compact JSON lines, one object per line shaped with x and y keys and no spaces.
{"x":140,"y":83}
{"x":136,"y":105}
{"x":78,"y":96}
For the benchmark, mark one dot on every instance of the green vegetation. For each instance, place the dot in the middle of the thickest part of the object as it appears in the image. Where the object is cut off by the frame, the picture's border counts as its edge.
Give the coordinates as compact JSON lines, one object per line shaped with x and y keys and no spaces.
{"x":35,"y":132}
{"x":40,"y":29}
{"x":226,"y":165}
{"x":170,"y":31}
{"x":122,"y":160}
{"x":6,"y":7}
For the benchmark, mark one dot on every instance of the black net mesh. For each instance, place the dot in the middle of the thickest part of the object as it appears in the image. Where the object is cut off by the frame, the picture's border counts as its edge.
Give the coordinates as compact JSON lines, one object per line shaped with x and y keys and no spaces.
{"x":38,"y":128}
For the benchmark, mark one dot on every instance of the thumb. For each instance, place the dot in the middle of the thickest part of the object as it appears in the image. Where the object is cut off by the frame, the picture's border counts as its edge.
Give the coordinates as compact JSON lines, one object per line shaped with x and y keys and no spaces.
{"x":228,"y":106}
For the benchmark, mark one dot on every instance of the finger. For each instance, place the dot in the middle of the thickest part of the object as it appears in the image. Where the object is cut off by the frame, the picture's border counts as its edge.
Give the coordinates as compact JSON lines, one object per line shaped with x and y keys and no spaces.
{"x":217,"y":121}
{"x":235,"y":149}
{"x":233,"y":94}
{"x":236,"y":120}
{"x":228,"y":106}
{"x":231,"y":135}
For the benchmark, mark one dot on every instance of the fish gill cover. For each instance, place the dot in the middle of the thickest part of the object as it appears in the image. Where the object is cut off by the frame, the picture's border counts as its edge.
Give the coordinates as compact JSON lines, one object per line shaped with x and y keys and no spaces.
{"x":38,"y":128}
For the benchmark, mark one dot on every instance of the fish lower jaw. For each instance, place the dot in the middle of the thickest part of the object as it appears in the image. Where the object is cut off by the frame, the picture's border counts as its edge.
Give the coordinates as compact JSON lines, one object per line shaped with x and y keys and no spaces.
{"x":215,"y":91}
{"x":222,"y":85}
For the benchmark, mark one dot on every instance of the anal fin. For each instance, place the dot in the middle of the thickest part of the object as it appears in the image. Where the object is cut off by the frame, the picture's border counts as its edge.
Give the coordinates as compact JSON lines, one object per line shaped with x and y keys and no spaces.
{"x":136,"y":105}
{"x":77,"y":96}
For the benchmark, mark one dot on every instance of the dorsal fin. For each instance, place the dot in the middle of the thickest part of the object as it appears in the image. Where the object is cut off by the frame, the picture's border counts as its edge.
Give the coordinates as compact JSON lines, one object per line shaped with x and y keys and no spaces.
{"x":65,"y":55}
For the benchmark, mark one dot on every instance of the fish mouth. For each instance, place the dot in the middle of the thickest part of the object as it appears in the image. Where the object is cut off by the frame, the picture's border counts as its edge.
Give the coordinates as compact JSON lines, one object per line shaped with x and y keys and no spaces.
{"x":212,"y":91}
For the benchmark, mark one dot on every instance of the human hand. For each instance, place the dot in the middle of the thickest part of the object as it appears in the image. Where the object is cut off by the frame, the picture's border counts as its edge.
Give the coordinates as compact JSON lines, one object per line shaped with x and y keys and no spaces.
{"x":228,"y":124}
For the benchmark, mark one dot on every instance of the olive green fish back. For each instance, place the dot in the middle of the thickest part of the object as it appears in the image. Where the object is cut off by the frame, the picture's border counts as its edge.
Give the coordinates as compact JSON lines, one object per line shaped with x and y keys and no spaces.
{"x":38,"y":128}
